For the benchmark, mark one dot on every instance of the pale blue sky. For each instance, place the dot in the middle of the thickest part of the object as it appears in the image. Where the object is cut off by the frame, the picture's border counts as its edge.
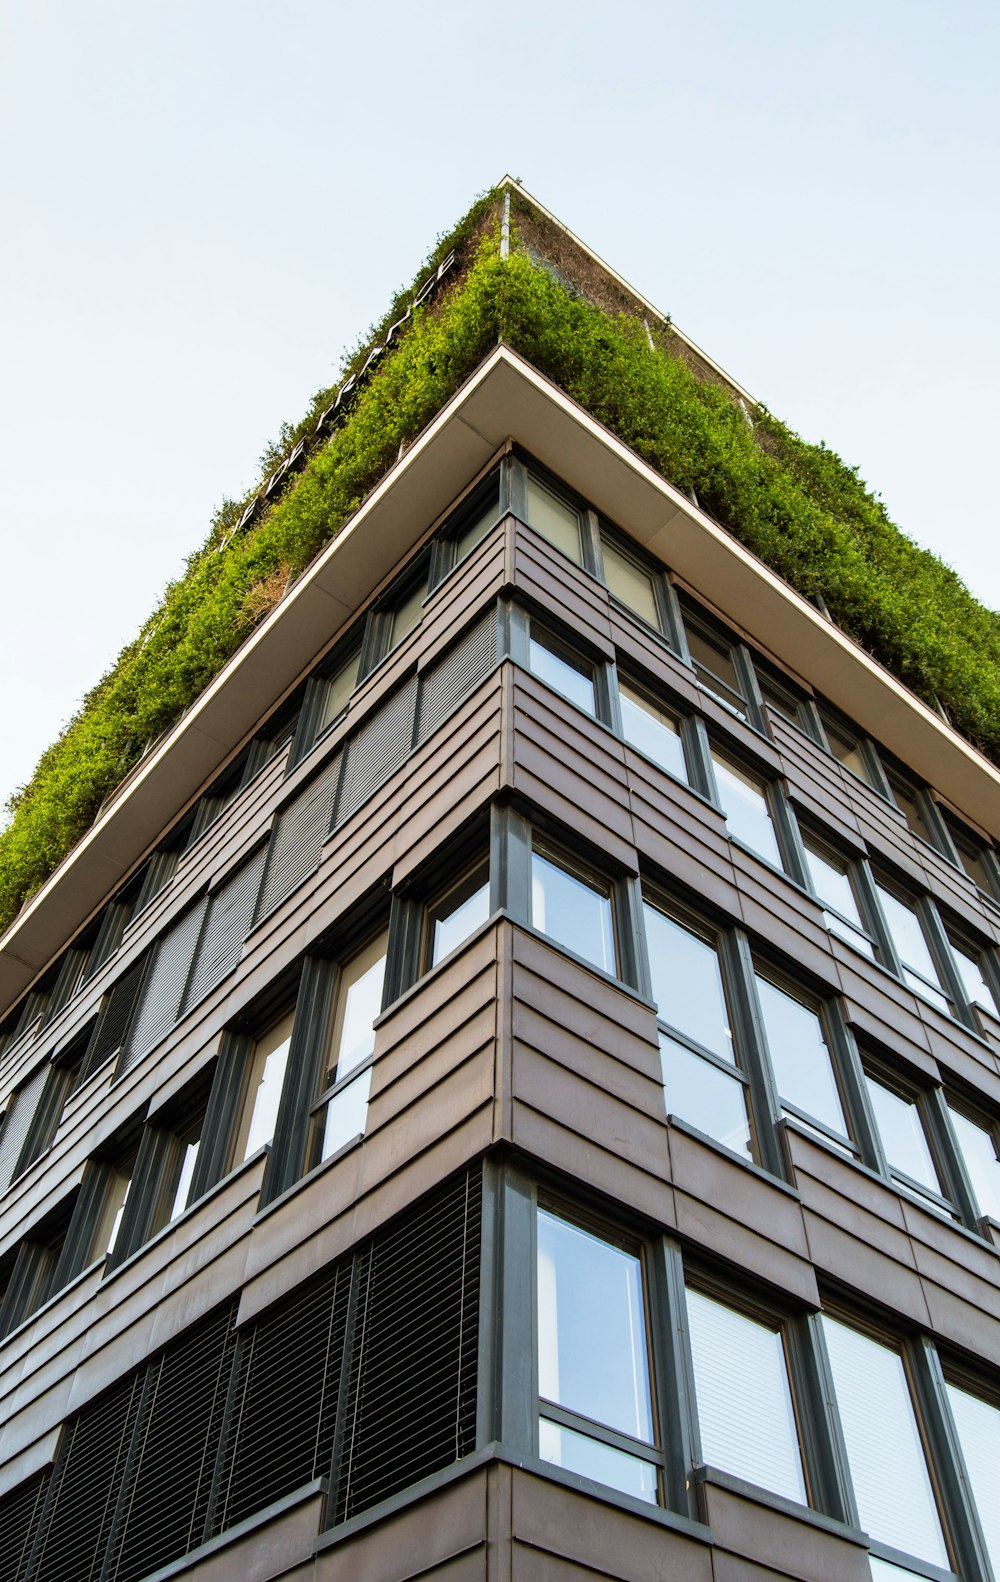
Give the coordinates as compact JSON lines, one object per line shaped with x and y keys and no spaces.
{"x":206,"y":201}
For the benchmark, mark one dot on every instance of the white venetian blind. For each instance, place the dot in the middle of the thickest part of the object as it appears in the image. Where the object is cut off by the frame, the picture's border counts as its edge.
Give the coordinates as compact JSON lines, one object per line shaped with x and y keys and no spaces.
{"x":978,"y":1426}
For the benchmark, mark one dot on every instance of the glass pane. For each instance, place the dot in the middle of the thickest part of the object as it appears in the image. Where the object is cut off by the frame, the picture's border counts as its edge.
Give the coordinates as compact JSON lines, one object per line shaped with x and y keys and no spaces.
{"x":903,"y":923}
{"x":832,"y":884}
{"x":747,"y":814}
{"x":800,"y":1057}
{"x":847,"y":751}
{"x":346,"y":1113}
{"x":980,"y":1156}
{"x":908,"y":802}
{"x":903,"y":1138}
{"x":572,"y":912}
{"x":977,"y":990}
{"x":267,"y":1076}
{"x":338,"y":691}
{"x":652,"y":730}
{"x":629,"y":583}
{"x":745,"y":1410}
{"x":554,"y":519}
{"x":359,"y":1001}
{"x":460,"y":910}
{"x":407,"y":612}
{"x":475,"y":530}
{"x":972,"y":861}
{"x":978,"y":1425}
{"x":713,"y":665}
{"x":888,"y":1470}
{"x":188,"y":1162}
{"x":687,"y":983}
{"x":590,"y":1458}
{"x":573,"y":677}
{"x":698,"y":1091}
{"x":107,"y":1234}
{"x":591,"y":1328}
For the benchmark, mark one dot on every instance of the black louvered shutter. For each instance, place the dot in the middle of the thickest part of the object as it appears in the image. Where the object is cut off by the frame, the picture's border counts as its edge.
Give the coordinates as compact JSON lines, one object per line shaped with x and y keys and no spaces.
{"x":297,"y":838}
{"x":160,"y":1004}
{"x":230,"y":914}
{"x":377,"y":748}
{"x":283,"y":1404}
{"x":164,"y":1500}
{"x":78,"y":1512}
{"x":19,"y":1513}
{"x":411,"y":1391}
{"x":17,"y":1121}
{"x":445,"y":684}
{"x":109,"y":1034}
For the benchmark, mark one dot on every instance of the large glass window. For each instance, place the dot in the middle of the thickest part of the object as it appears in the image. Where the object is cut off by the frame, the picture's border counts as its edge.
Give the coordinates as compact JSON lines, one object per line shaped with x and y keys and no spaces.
{"x":555,"y":518}
{"x":978,"y":1145}
{"x":455,"y":913}
{"x":262,"y":1093}
{"x":702,"y":1084}
{"x":745,"y":1413}
{"x":902,"y":920}
{"x":341,"y":1111}
{"x":563,"y":670}
{"x":899,"y":1119}
{"x":978,"y":1424}
{"x":830,"y":877}
{"x":573,"y":907}
{"x":892,"y":1485}
{"x":800,"y":1058}
{"x":630,"y":583}
{"x":595,"y":1408}
{"x":971,"y":965}
{"x":655,"y":731}
{"x":743,"y":799}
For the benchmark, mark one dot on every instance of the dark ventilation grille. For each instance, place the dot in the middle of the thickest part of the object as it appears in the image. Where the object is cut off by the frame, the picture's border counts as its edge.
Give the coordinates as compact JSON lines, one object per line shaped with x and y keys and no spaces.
{"x":230,"y":914}
{"x":14,"y":1128}
{"x":297,"y":838}
{"x":161,"y":998}
{"x":165,"y":1493}
{"x":444,"y":685}
{"x":19,"y":1513}
{"x":284,"y":1398}
{"x":411,"y":1390}
{"x":377,"y":748}
{"x":85,"y":1482}
{"x":110,"y":1031}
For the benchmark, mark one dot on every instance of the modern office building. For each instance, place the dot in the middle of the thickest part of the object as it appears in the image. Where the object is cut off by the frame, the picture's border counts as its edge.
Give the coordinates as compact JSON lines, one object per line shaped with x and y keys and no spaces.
{"x":509,"y":1086}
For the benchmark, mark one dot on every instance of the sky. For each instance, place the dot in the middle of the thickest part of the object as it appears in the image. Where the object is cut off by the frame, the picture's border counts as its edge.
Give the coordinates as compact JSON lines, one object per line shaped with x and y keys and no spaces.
{"x":207,"y":202}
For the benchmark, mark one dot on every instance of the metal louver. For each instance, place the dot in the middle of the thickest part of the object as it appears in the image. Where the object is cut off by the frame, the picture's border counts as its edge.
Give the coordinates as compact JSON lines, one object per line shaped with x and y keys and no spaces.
{"x":297,"y":838}
{"x":116,"y":1013}
{"x":377,"y":748}
{"x":161,"y":996}
{"x":230,"y":914}
{"x":19,"y":1512}
{"x":14,"y":1128}
{"x":444,"y":685}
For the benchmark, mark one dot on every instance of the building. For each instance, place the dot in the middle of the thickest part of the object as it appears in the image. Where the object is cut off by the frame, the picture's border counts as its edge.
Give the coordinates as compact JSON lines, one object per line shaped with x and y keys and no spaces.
{"x":508,"y":1087}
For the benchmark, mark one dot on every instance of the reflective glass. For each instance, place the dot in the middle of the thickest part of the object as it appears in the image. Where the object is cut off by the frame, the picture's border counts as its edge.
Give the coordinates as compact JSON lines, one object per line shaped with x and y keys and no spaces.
{"x":978,"y":1425}
{"x":591,"y":1458}
{"x":338,"y":691}
{"x":652,"y":730}
{"x":554,"y":519}
{"x":698,"y":1091}
{"x":188,"y":1161}
{"x":575,"y":913}
{"x":847,"y":750}
{"x":592,"y":1356}
{"x":977,"y":990}
{"x":800,"y":1056}
{"x":888,"y":1470}
{"x":573,"y":677}
{"x":687,"y":983}
{"x":903,"y":923}
{"x":832,"y":884}
{"x":745,"y":1413}
{"x":902,"y":1134}
{"x":263,"y":1095}
{"x":744,"y":804}
{"x":407,"y":612}
{"x":475,"y":530}
{"x":979,"y":1154}
{"x":452,"y":919}
{"x":117,"y":1200}
{"x":359,"y":1001}
{"x":629,"y":583}
{"x":713,"y":665}
{"x":346,"y":1113}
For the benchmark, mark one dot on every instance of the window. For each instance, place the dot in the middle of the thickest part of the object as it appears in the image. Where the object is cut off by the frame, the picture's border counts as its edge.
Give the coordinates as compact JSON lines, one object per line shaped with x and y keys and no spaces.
{"x":975,"y":971}
{"x":831,"y":879}
{"x":471,"y":523}
{"x":397,"y":612}
{"x":555,"y":518}
{"x":746,"y":1416}
{"x":340,"y":1112}
{"x":455,"y":913}
{"x":978,"y":1424}
{"x":35,"y":1275}
{"x":630,"y":583}
{"x":915,"y":806}
{"x":903,"y":1132}
{"x":801,"y":1059}
{"x":743,"y":799}
{"x":712,"y":655}
{"x":888,"y":1469}
{"x":979,"y":1146}
{"x":701,"y":1080}
{"x":976,"y":858}
{"x":905,"y":929}
{"x":265,"y":1076}
{"x":62,"y":1081}
{"x":849,"y":749}
{"x":595,"y":1398}
{"x":563,"y":670}
{"x":573,"y":906}
{"x":652,"y":729}
{"x":336,"y":689}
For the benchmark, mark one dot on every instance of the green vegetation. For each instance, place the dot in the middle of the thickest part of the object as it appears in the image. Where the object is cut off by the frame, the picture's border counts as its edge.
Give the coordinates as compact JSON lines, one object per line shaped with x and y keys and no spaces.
{"x":797,"y":506}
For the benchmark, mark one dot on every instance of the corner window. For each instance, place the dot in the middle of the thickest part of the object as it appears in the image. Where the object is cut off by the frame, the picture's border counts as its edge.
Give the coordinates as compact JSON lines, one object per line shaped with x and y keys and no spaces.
{"x":455,"y":913}
{"x":573,"y":906}
{"x":653,"y":730}
{"x":340,"y":1112}
{"x":746,"y":1415}
{"x":701,"y":1080}
{"x":595,"y":1398}
{"x":800,"y":1058}
{"x":744,"y":802}
{"x":472,"y":522}
{"x":555,"y":518}
{"x":562,"y":669}
{"x":831,"y":879}
{"x":906,"y":934}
